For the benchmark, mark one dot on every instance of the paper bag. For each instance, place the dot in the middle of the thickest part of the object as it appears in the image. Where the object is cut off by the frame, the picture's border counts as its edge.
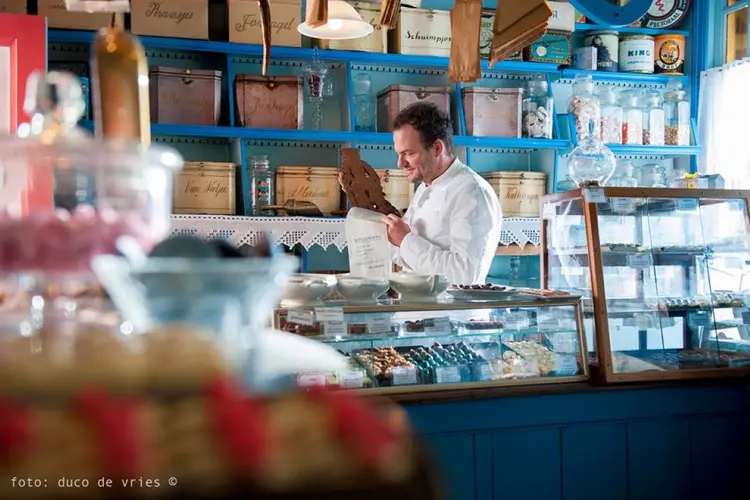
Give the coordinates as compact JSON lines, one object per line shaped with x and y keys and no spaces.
{"x":367,"y":243}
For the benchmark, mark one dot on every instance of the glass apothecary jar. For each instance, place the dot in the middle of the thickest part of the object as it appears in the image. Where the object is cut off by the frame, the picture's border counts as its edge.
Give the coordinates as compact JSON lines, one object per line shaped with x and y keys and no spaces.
{"x":591,"y":163}
{"x":676,"y":115}
{"x":365,"y":104}
{"x":624,"y":175}
{"x":653,"y":120}
{"x":611,"y":128}
{"x":66,"y":197}
{"x":632,"y":118}
{"x":537,"y":111}
{"x":652,"y":175}
{"x":262,"y":190}
{"x":585,"y":107}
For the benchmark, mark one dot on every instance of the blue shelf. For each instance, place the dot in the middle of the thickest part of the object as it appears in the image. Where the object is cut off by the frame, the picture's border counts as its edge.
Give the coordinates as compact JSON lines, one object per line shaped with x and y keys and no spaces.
{"x":298,"y":53}
{"x":335,"y":136}
{"x":618,"y":77}
{"x":622,"y":149}
{"x":630,"y":29}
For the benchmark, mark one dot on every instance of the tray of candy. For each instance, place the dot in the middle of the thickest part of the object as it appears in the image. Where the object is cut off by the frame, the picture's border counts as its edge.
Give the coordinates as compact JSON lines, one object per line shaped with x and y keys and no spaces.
{"x":486,"y":292}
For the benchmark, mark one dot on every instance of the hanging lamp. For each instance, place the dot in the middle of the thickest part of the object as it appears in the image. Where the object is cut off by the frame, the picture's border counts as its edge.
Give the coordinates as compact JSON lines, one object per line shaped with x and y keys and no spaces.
{"x":344,"y":23}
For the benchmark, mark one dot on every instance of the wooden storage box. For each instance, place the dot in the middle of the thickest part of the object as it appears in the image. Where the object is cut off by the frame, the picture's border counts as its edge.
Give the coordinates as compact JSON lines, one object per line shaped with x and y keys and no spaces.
{"x":518,"y":192}
{"x":421,"y":32}
{"x":492,"y":112}
{"x":244,"y":22}
{"x":394,"y":98}
{"x":173,"y":18}
{"x":58,"y":17}
{"x":205,"y":188}
{"x":318,"y":185}
{"x":185,"y":96}
{"x":397,"y":188}
{"x":269,"y":101}
{"x":13,"y":7}
{"x":377,"y":41}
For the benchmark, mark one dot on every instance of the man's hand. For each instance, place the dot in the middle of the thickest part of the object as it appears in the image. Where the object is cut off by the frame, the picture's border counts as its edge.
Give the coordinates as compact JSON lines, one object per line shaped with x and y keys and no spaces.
{"x":397,"y":229}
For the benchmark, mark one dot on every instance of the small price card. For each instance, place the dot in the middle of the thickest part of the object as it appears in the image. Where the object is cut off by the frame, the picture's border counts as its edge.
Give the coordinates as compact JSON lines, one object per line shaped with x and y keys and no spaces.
{"x":326,"y":314}
{"x":311,"y":380}
{"x":379,"y":323}
{"x":687,"y":204}
{"x":549,"y":211}
{"x":447,"y":375}
{"x":437,"y":326}
{"x":334,"y":328}
{"x":698,"y":319}
{"x":639,"y":260}
{"x":594,"y":195}
{"x":300,"y":317}
{"x":518,"y":320}
{"x":403,"y":375}
{"x":566,"y":365}
{"x":352,"y":380}
{"x":621,"y":205}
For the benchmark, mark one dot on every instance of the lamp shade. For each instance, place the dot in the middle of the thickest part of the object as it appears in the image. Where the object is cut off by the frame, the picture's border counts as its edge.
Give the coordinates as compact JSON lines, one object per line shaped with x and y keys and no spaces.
{"x":344,"y":23}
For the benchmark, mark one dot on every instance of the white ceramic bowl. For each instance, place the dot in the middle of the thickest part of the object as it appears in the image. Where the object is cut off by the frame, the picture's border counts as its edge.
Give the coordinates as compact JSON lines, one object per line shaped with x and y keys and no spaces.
{"x":419,"y":287}
{"x":357,"y":290}
{"x":307,"y":288}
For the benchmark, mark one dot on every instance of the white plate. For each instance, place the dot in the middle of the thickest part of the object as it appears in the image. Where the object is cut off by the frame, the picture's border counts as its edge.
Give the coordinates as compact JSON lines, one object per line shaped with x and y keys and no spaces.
{"x":463,"y":294}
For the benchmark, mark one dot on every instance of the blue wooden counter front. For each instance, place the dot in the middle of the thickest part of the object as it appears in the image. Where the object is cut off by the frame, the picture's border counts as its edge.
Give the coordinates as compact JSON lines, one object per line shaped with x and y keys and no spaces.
{"x":688,"y":443}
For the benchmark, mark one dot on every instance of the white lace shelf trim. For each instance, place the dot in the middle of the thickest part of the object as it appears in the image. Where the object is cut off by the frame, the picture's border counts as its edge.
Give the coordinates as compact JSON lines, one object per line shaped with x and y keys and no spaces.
{"x":309,"y":231}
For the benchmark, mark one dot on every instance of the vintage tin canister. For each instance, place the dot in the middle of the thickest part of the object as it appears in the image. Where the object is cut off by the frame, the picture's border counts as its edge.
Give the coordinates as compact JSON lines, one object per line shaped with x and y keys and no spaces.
{"x":394,"y":98}
{"x":492,"y":112}
{"x":205,"y":188}
{"x":185,"y":96}
{"x":269,"y":101}
{"x":396,"y":187}
{"x":554,"y":47}
{"x":318,"y":185}
{"x":669,"y":54}
{"x":605,"y":43}
{"x":518,"y":192}
{"x":636,"y":54}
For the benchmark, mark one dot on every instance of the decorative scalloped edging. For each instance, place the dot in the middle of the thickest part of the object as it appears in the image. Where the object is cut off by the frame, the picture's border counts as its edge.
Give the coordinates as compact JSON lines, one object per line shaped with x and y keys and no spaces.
{"x":309,"y":231}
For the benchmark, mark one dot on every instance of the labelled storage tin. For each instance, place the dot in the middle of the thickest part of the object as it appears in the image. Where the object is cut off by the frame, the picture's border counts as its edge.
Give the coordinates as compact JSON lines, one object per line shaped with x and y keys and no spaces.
{"x":394,"y":98}
{"x":492,"y":112}
{"x":184,"y":96}
{"x":637,"y":54}
{"x":318,"y":185}
{"x":205,"y":188}
{"x":554,"y":47}
{"x":606,"y":45}
{"x":269,"y":101}
{"x":669,"y":54}
{"x":518,"y":192}
{"x":396,"y":187}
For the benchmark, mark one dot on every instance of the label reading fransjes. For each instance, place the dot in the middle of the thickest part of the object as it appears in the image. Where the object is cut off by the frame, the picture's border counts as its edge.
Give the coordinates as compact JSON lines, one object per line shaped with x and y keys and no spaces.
{"x":447,"y":375}
{"x":300,"y":317}
{"x":329,"y":314}
{"x":437,"y":326}
{"x":404,"y":376}
{"x":665,"y":14}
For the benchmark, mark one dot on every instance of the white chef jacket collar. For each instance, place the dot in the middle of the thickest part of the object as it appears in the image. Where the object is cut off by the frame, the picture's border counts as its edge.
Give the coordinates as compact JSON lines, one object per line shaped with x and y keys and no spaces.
{"x":449,"y":172}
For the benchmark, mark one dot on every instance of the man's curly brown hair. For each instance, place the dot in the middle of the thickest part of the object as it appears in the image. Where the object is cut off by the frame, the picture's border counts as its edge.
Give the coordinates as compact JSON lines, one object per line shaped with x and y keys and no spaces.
{"x":431,"y":122}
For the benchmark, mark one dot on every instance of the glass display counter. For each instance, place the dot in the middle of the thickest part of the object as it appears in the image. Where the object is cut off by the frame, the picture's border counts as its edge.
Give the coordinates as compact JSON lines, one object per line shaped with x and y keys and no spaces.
{"x":665,"y":276}
{"x":396,"y":348}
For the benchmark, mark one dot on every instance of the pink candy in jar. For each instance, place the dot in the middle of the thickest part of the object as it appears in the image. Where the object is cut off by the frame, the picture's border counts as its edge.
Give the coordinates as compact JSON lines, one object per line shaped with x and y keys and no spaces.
{"x":61,"y":241}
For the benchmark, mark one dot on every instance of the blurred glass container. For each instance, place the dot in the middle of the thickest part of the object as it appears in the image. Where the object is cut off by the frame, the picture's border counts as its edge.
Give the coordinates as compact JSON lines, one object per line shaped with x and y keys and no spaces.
{"x":676,"y":115}
{"x":262,"y":185}
{"x":585,"y":107}
{"x":66,"y":197}
{"x":365,"y":104}
{"x":653,"y":120}
{"x":632,"y":118}
{"x":623,"y":176}
{"x":591,"y":163}
{"x":611,"y":116}
{"x":653,"y":175}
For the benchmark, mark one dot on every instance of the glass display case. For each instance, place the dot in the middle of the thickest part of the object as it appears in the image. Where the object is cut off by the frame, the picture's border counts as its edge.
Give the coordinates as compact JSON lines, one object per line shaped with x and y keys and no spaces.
{"x":664,"y":275}
{"x":400,"y":348}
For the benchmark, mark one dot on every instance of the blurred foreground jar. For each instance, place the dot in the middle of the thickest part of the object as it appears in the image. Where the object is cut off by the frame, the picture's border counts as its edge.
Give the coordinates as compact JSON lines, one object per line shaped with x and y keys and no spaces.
{"x":66,"y":197}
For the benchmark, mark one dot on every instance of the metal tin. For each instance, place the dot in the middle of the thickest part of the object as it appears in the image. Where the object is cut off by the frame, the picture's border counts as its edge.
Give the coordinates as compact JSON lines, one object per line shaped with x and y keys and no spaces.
{"x":636,"y":54}
{"x":184,"y":96}
{"x":605,"y":43}
{"x":669,"y":54}
{"x":394,"y":98}
{"x":318,"y":185}
{"x":269,"y":101}
{"x":665,"y":14}
{"x":396,"y":187}
{"x":554,"y":47}
{"x":518,"y":192}
{"x":492,"y":112}
{"x":205,"y":188}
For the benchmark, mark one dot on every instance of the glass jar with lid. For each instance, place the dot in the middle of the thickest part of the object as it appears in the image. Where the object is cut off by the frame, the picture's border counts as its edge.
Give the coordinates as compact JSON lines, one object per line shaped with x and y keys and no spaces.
{"x":365,"y":103}
{"x":676,"y":115}
{"x":262,"y":185}
{"x":537,"y":111}
{"x":632,"y":118}
{"x":585,"y":107}
{"x":623,"y":176}
{"x":653,"y":175}
{"x":591,"y":163}
{"x":653,"y":120}
{"x":611,"y":128}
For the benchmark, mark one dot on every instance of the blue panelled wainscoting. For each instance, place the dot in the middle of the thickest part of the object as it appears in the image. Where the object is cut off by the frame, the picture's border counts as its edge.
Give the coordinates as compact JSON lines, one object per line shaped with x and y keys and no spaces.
{"x":689,"y":442}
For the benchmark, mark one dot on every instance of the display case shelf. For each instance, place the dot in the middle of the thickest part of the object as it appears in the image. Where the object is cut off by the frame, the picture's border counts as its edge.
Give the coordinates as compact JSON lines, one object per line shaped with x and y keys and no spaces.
{"x":620,"y":77}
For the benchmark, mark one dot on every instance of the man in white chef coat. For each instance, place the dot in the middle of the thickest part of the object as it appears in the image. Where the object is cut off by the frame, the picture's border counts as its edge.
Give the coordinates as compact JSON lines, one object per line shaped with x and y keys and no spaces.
{"x":452,"y":225}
